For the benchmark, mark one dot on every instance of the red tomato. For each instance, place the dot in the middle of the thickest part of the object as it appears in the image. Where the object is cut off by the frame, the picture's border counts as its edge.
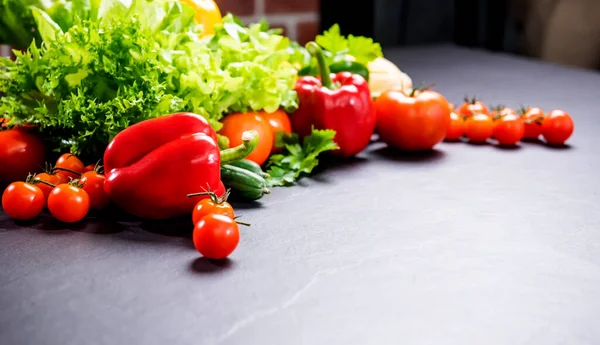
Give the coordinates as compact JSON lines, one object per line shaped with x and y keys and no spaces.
{"x":279,"y":122}
{"x":93,"y":185}
{"x":21,"y":153}
{"x":53,"y":179}
{"x":412,"y":123}
{"x":22,"y":200}
{"x":236,"y":124}
{"x":557,"y":127}
{"x":205,"y":207}
{"x":89,"y":167}
{"x":479,"y":128}
{"x":68,"y":203}
{"x":509,"y":130}
{"x":216,"y":236}
{"x":533,"y":127}
{"x":471,"y":107}
{"x":499,"y":111}
{"x":456,"y":129}
{"x":69,"y":162}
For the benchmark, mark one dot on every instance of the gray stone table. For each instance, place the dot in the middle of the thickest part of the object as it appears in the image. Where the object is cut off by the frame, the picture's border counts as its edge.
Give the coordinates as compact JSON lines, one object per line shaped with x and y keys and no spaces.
{"x":466,"y":245}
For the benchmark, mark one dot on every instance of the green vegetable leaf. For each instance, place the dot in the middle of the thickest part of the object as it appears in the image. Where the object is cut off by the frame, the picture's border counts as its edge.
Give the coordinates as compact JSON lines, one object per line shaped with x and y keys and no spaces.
{"x":47,"y":28}
{"x":298,"y":159}
{"x":363,"y":49}
{"x":332,"y":40}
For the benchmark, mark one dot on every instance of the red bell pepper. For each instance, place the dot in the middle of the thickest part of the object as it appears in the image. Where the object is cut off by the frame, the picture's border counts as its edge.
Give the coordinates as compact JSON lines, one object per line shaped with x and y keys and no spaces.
{"x":153,"y":165}
{"x":341,"y":102}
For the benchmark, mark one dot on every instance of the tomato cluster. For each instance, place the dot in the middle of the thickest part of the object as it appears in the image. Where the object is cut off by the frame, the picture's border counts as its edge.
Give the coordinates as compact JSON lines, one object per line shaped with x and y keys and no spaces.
{"x":216,"y":233}
{"x":477,"y":123}
{"x":68,"y":190}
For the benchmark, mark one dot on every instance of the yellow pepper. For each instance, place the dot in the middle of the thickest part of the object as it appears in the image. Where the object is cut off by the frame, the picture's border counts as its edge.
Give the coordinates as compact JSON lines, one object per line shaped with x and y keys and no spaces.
{"x":207,"y":14}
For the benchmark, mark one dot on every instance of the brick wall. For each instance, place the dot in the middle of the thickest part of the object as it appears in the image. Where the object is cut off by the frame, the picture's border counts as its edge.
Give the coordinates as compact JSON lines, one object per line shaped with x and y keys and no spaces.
{"x":299,"y":19}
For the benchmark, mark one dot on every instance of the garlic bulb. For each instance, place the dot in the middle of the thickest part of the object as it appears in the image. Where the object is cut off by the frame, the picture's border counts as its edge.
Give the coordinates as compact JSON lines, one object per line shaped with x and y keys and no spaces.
{"x":385,"y":75}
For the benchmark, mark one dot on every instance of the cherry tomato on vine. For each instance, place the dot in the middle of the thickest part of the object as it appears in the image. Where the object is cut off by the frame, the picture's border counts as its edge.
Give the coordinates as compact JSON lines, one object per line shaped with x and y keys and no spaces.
{"x":207,"y":206}
{"x":51,"y":178}
{"x":21,"y":153}
{"x":471,"y":107}
{"x":236,"y":124}
{"x":22,"y":200}
{"x":456,"y":129}
{"x":69,"y":162}
{"x":414,"y":122}
{"x":279,"y":122}
{"x":498,"y":111}
{"x":93,"y":185}
{"x":557,"y":127}
{"x":533,"y":117}
{"x":216,"y":236}
{"x":509,"y":130}
{"x":479,"y":128}
{"x":68,"y":203}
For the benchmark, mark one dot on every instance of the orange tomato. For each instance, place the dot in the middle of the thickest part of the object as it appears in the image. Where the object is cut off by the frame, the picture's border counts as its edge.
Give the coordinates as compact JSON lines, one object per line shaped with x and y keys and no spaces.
{"x":279,"y":122}
{"x":533,"y":117}
{"x":207,"y":14}
{"x":471,"y":107}
{"x":479,"y":128}
{"x":237,"y":123}
{"x":456,"y":129}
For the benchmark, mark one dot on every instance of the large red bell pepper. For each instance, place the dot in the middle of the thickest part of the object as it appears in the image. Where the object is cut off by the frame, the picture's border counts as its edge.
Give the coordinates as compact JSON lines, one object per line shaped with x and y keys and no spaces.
{"x":153,"y":165}
{"x":341,"y":102}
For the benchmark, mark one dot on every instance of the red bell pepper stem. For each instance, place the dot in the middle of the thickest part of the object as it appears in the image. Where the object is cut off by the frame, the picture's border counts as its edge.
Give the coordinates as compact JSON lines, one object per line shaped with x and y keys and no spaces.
{"x":234,"y":154}
{"x":315,"y":50}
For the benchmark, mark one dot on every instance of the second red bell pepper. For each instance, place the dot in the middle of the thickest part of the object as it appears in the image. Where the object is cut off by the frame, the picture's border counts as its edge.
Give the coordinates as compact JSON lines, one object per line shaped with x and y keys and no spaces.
{"x":153,"y":165}
{"x":341,"y":102}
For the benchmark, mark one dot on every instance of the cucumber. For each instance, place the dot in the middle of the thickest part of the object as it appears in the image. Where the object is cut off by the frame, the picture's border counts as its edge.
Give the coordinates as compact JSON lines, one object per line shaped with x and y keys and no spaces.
{"x":245,"y":183}
{"x":250,"y":166}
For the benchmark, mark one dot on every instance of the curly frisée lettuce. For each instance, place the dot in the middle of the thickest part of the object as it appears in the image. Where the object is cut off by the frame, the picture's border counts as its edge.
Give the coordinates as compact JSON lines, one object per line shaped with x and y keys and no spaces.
{"x":133,"y":60}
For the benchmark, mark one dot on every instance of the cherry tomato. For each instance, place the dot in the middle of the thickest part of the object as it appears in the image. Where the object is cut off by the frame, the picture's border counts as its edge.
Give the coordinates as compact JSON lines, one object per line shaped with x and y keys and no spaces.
{"x":69,"y":162}
{"x":456,"y":129}
{"x":533,"y":117}
{"x":216,"y":236}
{"x":22,"y":200}
{"x":53,"y":179}
{"x":89,"y":167}
{"x":509,"y":130}
{"x":557,"y":127}
{"x":471,"y":107}
{"x":414,"y":122}
{"x":279,"y":122}
{"x":237,"y":123}
{"x":68,"y":203}
{"x":21,"y":153}
{"x":205,"y":207}
{"x":497,"y":112}
{"x":93,"y":185}
{"x":479,"y":128}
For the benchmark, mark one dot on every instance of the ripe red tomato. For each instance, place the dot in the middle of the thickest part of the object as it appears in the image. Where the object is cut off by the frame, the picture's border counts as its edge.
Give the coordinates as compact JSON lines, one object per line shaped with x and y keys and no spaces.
{"x":279,"y":122}
{"x":471,"y":107}
{"x":53,"y":179}
{"x":22,"y":200}
{"x":69,"y":162}
{"x":456,"y":129}
{"x":89,"y":167}
{"x":497,"y":112}
{"x":21,"y":153}
{"x":509,"y":130}
{"x":237,"y":123}
{"x":93,"y":185}
{"x":216,"y":236}
{"x":557,"y":127}
{"x":207,"y":206}
{"x":533,"y":128}
{"x":68,"y":203}
{"x":479,"y":128}
{"x":412,"y":123}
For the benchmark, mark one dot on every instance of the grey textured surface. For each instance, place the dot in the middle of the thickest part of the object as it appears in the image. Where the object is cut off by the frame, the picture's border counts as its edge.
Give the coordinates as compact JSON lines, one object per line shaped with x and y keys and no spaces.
{"x":468,"y":245}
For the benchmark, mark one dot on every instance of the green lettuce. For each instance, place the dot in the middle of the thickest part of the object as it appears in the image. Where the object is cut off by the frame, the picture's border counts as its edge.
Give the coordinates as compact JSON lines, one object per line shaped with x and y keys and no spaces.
{"x":108,"y":64}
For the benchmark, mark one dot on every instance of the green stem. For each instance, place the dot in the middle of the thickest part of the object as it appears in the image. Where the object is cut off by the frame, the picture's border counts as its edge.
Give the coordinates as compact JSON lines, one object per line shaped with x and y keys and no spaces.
{"x":316,"y":51}
{"x":249,"y":142}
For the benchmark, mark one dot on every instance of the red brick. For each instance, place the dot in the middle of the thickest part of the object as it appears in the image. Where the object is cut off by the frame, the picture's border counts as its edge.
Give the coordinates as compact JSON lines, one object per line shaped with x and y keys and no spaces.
{"x":306,"y":31}
{"x":287,"y":6}
{"x":236,"y":7}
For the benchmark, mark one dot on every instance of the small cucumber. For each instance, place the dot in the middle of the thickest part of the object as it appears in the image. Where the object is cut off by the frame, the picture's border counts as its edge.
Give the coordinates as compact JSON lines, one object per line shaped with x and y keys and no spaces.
{"x":250,"y":166}
{"x":245,"y":183}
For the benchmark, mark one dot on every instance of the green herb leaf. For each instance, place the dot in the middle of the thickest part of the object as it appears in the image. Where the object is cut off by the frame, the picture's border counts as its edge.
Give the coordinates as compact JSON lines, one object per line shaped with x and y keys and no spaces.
{"x":298,"y":159}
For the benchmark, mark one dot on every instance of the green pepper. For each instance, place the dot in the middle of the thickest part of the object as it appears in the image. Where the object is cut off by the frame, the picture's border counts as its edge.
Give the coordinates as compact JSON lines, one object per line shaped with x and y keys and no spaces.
{"x":350,"y":66}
